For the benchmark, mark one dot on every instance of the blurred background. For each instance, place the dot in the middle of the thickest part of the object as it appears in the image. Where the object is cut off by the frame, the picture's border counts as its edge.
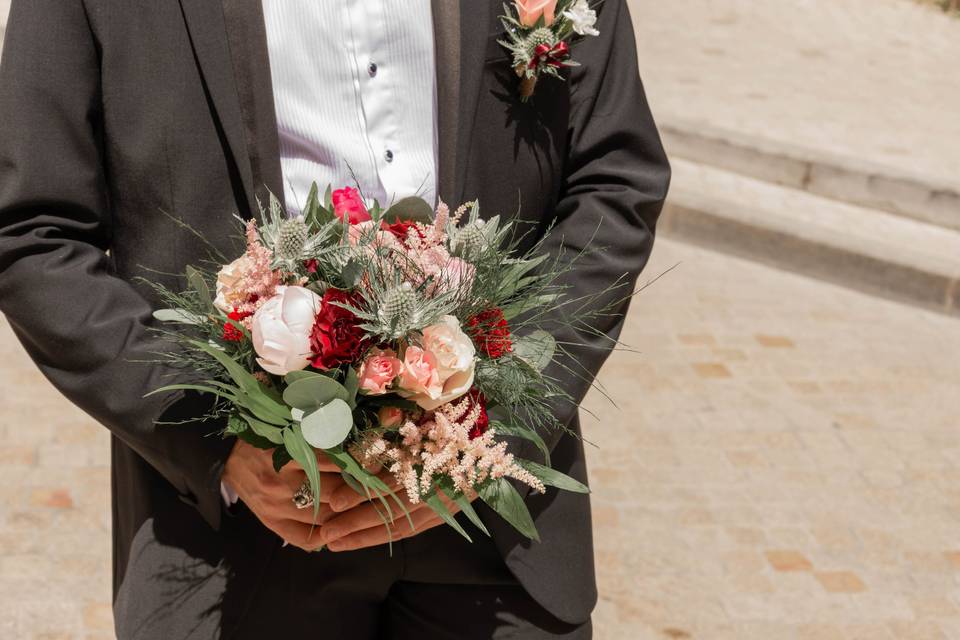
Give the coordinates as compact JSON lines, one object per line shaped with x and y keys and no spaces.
{"x":784,"y":458}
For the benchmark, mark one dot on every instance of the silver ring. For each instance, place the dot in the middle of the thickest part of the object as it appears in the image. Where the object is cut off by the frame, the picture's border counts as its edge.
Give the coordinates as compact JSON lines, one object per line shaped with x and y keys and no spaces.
{"x":303,"y":497}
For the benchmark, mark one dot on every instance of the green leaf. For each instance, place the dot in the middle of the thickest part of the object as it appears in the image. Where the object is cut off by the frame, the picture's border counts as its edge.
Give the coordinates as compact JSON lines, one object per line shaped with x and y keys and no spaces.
{"x":329,"y":425}
{"x":328,"y":198}
{"x":313,"y":392}
{"x":436,"y":504}
{"x":351,"y":273}
{"x":536,"y":349}
{"x":293,"y":376}
{"x":272,"y":433}
{"x":410,"y":208}
{"x":519,"y":307}
{"x":471,"y":514}
{"x":179,"y":316}
{"x":280,"y":458}
{"x":520,"y":431}
{"x":300,"y":451}
{"x":197,"y":282}
{"x":352,"y":385}
{"x":347,"y":462}
{"x":552,"y":477}
{"x":504,"y":499}
{"x":312,"y":208}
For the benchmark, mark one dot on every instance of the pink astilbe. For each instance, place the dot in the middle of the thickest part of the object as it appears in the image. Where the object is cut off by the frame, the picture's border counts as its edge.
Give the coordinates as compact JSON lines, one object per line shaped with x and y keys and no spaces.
{"x":258,"y":280}
{"x":440,"y":445}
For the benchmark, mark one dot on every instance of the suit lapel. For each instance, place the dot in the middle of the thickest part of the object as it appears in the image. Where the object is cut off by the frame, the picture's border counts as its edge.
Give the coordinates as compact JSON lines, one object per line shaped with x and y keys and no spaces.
{"x":446,"y":33}
{"x":247,"y":38}
{"x":473,"y":40}
{"x":208,"y":37}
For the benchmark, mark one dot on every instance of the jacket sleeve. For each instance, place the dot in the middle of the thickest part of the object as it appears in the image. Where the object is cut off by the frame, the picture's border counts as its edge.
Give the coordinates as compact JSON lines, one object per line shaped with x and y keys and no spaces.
{"x":85,"y":328}
{"x":615,"y":183}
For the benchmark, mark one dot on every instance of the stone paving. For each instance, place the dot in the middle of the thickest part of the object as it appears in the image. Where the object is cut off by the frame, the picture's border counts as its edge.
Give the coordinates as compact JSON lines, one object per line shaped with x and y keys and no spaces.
{"x":874,"y":80}
{"x":783,"y":465}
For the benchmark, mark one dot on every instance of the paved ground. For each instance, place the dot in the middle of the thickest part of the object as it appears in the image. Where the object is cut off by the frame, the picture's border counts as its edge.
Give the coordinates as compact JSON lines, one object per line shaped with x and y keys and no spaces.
{"x":871,"y":79}
{"x":783,"y":465}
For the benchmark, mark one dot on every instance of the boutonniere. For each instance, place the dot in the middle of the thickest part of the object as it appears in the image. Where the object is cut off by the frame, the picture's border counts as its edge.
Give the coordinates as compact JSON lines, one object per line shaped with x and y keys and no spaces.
{"x":539,"y":33}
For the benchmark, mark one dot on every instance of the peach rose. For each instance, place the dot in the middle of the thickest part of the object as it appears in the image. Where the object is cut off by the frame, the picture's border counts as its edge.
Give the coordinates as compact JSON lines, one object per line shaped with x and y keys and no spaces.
{"x":378,"y":371}
{"x":453,"y":356}
{"x":419,"y":376}
{"x":228,"y":293}
{"x":531,"y":10}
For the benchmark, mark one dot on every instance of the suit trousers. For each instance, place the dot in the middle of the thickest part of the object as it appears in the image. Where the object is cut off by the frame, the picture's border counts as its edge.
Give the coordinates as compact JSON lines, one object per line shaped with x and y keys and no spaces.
{"x":433,"y":586}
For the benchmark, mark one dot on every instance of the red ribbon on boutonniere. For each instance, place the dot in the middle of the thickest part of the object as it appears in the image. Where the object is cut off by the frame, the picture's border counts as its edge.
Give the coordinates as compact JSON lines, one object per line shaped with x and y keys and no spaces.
{"x":537,"y":34}
{"x":553,"y":56}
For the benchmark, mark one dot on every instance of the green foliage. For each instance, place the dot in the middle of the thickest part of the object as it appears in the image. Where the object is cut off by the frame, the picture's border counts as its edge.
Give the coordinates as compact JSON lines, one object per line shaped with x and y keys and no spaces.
{"x":503,"y":498}
{"x":553,"y":478}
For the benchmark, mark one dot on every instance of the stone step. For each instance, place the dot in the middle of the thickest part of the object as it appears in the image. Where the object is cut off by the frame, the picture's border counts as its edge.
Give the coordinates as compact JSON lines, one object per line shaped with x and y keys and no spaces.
{"x":932,"y":199}
{"x":874,"y":251}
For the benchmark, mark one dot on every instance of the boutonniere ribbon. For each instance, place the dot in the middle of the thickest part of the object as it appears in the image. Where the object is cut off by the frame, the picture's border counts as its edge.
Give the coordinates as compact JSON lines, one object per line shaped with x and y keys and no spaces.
{"x":538,"y":35}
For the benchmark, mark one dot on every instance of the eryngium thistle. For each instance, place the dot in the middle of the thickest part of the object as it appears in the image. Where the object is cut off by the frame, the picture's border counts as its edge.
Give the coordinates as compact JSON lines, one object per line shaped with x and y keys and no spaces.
{"x":540,"y":36}
{"x":399,"y":308}
{"x":291,"y":239}
{"x":470,"y":239}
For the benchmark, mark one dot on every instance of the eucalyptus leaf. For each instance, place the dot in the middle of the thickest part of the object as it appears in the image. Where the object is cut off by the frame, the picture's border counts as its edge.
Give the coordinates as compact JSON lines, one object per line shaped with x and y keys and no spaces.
{"x":293,"y":376}
{"x":410,"y":208}
{"x":329,"y":425}
{"x":503,"y":498}
{"x":351,"y":273}
{"x":552,"y":477}
{"x":313,"y":392}
{"x":536,"y":349}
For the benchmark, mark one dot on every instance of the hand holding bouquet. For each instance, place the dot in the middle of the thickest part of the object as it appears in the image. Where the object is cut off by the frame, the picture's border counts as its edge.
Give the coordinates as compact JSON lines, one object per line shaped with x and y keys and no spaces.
{"x":400,"y":339}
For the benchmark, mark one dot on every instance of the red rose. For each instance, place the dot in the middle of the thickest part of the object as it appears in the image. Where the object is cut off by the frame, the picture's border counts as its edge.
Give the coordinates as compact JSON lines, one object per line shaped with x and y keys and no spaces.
{"x":336,"y":337}
{"x":483,"y":420}
{"x":401,"y":229}
{"x":230,"y":332}
{"x":490,"y":332}
{"x":311,"y":265}
{"x":349,"y":206}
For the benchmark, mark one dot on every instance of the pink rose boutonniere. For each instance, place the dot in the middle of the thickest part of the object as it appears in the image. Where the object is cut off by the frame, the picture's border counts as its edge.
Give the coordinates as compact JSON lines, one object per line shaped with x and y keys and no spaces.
{"x":539,"y":33}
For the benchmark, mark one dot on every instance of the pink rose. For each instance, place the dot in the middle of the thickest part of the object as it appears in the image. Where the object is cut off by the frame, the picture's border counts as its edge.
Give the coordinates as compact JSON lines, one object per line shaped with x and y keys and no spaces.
{"x":348,"y":205}
{"x":378,"y":371}
{"x":452,"y":358}
{"x":531,"y":10}
{"x":390,"y":417}
{"x":419,"y":375}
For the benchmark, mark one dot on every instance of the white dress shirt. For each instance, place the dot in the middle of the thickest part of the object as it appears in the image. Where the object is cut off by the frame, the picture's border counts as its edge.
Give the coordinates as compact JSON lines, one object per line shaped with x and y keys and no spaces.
{"x":354,"y":86}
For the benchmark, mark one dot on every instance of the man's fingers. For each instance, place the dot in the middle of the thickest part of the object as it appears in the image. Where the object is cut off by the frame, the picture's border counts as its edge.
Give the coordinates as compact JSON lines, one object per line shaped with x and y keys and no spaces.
{"x":423,"y":520}
{"x":346,"y":497}
{"x":305,"y":536}
{"x":366,"y":515}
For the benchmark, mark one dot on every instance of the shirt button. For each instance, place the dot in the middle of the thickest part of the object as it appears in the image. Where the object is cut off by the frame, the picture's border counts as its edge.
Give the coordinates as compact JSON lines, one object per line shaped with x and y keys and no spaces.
{"x":372,"y":69}
{"x":388,"y":155}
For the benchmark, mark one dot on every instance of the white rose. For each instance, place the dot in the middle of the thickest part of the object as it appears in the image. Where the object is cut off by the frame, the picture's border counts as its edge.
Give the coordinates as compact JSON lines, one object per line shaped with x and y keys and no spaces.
{"x":455,"y":357}
{"x":227,"y":281}
{"x":281,"y":330}
{"x":582,"y":17}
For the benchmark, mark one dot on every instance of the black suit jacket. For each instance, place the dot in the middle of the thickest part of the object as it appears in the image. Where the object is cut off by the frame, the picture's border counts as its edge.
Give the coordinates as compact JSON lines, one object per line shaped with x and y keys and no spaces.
{"x":113,"y":112}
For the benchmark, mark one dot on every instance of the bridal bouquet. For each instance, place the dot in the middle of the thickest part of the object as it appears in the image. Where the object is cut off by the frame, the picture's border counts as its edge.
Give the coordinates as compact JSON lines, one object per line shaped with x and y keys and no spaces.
{"x":403,"y":339}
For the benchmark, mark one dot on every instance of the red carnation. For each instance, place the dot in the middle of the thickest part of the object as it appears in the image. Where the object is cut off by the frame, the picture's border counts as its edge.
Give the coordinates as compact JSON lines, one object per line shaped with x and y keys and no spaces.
{"x":490,"y":332}
{"x":230,"y":332}
{"x":401,"y":229}
{"x":336,"y":337}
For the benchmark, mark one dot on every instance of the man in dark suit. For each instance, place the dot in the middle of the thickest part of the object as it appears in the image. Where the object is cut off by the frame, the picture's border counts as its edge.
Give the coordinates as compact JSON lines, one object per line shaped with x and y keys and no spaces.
{"x":117,"y":117}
